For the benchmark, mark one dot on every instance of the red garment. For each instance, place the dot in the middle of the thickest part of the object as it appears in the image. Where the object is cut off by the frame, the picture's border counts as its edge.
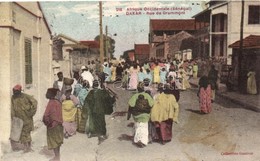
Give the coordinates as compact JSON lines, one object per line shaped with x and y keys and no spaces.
{"x":205,"y":99}
{"x":163,"y":130}
{"x":53,"y":114}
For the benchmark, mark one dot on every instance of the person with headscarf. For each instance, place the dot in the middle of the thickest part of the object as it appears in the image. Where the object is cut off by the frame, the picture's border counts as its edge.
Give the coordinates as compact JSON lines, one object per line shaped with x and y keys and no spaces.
{"x":204,"y":95}
{"x":108,"y":72}
{"x":212,"y":79}
{"x":69,"y":110}
{"x":52,"y":118}
{"x":156,"y":73}
{"x":97,"y":102}
{"x":113,"y":72}
{"x":139,"y":106}
{"x":82,"y":113}
{"x":164,"y":112}
{"x":163,"y":74}
{"x":87,"y":75}
{"x":133,"y":82}
{"x":149,"y":76}
{"x":24,"y":107}
{"x":141,"y":75}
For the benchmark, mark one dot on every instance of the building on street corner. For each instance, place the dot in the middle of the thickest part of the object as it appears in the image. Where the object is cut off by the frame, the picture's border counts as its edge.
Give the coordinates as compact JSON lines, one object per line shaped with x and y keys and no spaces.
{"x":25,"y":58}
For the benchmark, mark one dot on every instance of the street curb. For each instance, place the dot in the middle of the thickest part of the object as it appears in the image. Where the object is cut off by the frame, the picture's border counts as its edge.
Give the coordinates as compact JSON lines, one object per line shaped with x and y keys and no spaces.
{"x":245,"y":105}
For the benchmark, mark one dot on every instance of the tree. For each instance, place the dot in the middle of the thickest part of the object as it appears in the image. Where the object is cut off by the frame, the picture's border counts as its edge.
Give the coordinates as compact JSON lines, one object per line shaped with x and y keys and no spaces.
{"x":109,"y":43}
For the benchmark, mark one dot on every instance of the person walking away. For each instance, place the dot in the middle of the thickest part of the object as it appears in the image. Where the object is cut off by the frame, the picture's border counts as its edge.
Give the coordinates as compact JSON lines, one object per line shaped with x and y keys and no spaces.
{"x":24,"y":107}
{"x":139,"y":106}
{"x":133,"y":82}
{"x":69,"y":110}
{"x":164,"y":112}
{"x":204,"y":95}
{"x":96,"y":103}
{"x":82,"y":113}
{"x":141,"y":75}
{"x":149,"y":76}
{"x":86,"y":75}
{"x":251,"y":82}
{"x":76,"y":86}
{"x":119,"y":71}
{"x":163,"y":74}
{"x":59,"y":84}
{"x":213,"y":78}
{"x":156,"y":73}
{"x":195,"y":69}
{"x":52,"y":118}
{"x":113,"y":72}
{"x":108,"y":72}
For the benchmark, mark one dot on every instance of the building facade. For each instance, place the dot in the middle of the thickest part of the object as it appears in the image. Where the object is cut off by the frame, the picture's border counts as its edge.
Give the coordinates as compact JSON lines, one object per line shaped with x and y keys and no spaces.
{"x":26,"y":58}
{"x":220,"y":26}
{"x":160,"y":32}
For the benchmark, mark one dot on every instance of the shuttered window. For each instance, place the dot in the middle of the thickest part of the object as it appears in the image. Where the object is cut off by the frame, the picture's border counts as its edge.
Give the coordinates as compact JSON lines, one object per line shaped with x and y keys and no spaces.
{"x":28,"y":61}
{"x":254,"y":15}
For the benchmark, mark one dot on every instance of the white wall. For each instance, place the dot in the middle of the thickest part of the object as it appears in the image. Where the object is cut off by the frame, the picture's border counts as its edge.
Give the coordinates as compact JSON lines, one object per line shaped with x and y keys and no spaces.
{"x":12,"y":38}
{"x":234,"y":19}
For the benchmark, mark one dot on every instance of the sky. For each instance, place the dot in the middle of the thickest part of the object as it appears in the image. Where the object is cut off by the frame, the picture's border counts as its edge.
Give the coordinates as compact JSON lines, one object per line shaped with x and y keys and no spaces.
{"x":128,"y":20}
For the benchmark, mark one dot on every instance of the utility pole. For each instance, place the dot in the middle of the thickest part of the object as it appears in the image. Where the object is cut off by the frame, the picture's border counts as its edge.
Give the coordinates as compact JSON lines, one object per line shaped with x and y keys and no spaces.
{"x":241,"y":79}
{"x":107,"y":54}
{"x":101,"y":42}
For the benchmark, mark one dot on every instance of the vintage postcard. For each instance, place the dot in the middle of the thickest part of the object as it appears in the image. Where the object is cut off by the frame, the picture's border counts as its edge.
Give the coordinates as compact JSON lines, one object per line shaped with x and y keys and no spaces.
{"x":135,"y":80}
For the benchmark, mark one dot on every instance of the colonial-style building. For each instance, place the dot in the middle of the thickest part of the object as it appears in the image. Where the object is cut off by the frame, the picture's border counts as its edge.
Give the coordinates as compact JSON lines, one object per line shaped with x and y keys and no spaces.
{"x":162,"y":29}
{"x":25,"y":58}
{"x":249,"y":61}
{"x":220,"y":26}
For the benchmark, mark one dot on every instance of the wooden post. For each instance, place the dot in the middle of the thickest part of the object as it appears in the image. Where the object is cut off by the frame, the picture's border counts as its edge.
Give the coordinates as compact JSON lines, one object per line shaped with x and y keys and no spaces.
{"x":101,"y":39}
{"x":241,"y":79}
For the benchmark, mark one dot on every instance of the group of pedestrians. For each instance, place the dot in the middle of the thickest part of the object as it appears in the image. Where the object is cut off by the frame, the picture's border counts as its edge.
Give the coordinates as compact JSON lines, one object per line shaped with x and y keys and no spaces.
{"x":76,"y":104}
{"x":79,"y":104}
{"x":153,"y":113}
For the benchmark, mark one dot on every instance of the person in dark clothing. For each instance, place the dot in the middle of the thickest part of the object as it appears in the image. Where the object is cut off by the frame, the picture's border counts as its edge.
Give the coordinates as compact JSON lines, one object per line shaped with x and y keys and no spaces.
{"x":212,"y":78}
{"x":119,"y":71}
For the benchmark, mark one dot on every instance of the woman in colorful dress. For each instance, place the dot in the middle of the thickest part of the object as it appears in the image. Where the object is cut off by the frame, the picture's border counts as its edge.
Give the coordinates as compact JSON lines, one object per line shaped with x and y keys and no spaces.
{"x":156,"y":73}
{"x":69,"y":110}
{"x":165,"y":111}
{"x":133,"y":77}
{"x":204,"y":95}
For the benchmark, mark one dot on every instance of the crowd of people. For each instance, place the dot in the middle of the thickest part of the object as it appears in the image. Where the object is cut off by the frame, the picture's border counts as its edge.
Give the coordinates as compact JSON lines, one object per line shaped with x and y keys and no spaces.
{"x":79,"y":104}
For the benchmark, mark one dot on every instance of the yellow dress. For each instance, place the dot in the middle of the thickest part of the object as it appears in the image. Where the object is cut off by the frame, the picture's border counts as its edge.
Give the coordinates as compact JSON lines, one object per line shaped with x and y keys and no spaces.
{"x":156,"y":74}
{"x":113,"y":71}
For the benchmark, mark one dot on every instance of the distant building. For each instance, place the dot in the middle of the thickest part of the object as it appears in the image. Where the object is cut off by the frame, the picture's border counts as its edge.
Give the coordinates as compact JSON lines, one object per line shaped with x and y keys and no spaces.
{"x":142,"y":52}
{"x":162,"y":29}
{"x":25,"y":58}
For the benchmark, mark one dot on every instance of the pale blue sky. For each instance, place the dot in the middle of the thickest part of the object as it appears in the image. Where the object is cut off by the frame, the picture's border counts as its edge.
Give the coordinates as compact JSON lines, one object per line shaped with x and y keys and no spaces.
{"x":80,"y":19}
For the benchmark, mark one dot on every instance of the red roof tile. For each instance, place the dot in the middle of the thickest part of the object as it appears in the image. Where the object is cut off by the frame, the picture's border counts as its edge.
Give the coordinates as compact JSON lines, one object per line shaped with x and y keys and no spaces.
{"x":252,"y":41}
{"x":91,"y":43}
{"x":142,"y":49}
{"x":172,"y":24}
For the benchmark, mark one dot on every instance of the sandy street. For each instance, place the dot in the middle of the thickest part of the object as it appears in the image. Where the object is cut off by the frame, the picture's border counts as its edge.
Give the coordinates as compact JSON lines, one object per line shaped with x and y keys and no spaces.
{"x":229,"y":133}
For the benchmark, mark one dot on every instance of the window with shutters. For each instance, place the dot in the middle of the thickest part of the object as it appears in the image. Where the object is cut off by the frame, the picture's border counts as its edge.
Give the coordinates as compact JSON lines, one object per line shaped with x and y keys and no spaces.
{"x":28,"y":61}
{"x":254,"y":15}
